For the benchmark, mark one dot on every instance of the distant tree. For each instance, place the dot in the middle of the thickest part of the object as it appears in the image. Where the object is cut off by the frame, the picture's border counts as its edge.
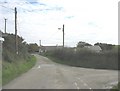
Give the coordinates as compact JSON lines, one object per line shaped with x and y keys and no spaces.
{"x":81,"y":44}
{"x":105,"y":46}
{"x":33,"y":48}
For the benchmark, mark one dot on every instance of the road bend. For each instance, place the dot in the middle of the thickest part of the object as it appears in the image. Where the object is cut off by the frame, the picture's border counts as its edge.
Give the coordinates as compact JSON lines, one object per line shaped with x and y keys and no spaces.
{"x":47,"y":74}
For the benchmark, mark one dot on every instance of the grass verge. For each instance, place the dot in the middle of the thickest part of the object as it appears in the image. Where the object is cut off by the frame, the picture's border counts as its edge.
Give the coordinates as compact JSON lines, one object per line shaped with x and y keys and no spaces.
{"x":82,"y":63}
{"x":14,"y":69}
{"x":0,"y":77}
{"x":116,"y":88}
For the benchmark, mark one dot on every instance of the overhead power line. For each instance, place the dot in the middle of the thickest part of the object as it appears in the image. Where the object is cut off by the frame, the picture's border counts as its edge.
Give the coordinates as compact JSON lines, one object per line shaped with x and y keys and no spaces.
{"x":6,"y":7}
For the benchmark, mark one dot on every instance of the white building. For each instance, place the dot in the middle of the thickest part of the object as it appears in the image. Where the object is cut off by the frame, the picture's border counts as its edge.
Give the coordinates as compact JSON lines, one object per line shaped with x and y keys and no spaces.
{"x":49,"y":48}
{"x":93,"y":48}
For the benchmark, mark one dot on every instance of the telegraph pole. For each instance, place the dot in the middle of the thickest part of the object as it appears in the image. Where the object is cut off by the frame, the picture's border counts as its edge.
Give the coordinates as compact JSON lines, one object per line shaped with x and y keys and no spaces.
{"x":5,"y":24}
{"x":16,"y":39}
{"x":40,"y":43}
{"x":40,"y":46}
{"x":63,"y":35}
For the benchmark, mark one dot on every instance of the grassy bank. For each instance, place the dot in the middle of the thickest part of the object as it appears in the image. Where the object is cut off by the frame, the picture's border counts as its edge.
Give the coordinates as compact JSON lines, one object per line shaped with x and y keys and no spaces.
{"x":116,"y":88}
{"x":85,"y":58}
{"x":14,"y":64}
{"x":12,"y":70}
{"x":0,"y":77}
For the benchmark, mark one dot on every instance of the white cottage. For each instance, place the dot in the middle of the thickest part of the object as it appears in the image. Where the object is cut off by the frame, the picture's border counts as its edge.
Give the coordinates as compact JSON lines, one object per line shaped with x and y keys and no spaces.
{"x":93,"y":48}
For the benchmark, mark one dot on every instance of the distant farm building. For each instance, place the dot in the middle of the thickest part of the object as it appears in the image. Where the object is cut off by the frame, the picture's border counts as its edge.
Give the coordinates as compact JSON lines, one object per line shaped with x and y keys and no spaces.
{"x":49,"y":48}
{"x":93,"y":48}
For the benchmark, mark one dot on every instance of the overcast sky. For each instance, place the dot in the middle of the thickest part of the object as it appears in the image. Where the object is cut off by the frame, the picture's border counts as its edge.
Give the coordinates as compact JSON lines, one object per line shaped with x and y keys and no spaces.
{"x":85,"y":20}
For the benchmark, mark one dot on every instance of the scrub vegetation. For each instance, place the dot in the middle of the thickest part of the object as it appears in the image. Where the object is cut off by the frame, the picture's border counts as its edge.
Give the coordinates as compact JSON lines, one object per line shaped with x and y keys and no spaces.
{"x":14,"y":64}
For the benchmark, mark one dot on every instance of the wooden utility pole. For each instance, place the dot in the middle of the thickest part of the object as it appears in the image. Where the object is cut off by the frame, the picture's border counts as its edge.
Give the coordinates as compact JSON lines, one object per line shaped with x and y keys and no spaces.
{"x":40,"y":43}
{"x":5,"y":24}
{"x":63,"y":35}
{"x":16,"y":39}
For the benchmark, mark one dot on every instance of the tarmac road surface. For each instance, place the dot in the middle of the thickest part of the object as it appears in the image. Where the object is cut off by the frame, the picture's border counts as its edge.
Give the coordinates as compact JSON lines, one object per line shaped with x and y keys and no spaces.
{"x":49,"y":75}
